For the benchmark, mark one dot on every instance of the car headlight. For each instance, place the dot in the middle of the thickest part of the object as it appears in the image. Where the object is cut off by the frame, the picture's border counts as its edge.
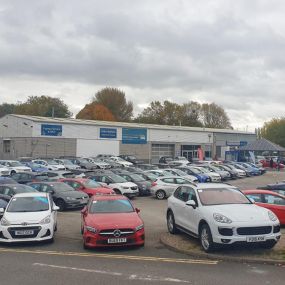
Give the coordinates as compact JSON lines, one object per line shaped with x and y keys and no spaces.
{"x":272,"y":216}
{"x":46,"y":220}
{"x":221,"y":218}
{"x":5,"y":222}
{"x":125,"y":187}
{"x":70,"y":198}
{"x":140,"y":227}
{"x":91,"y":229}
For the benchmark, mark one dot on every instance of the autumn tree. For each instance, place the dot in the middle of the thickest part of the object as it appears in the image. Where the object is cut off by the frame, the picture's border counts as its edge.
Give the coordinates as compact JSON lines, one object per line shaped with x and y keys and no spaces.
{"x":214,"y":116}
{"x":94,"y":111}
{"x":274,"y":131}
{"x":6,"y":108}
{"x":115,"y":100}
{"x":44,"y":106}
{"x":190,"y":114}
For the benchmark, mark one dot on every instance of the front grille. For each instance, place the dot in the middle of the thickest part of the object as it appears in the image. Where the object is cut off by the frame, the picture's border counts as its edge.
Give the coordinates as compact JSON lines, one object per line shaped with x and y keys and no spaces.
{"x":134,"y":188}
{"x":276,"y":229}
{"x":225,"y":231}
{"x":110,"y":232}
{"x":254,"y":230}
{"x":13,"y":229}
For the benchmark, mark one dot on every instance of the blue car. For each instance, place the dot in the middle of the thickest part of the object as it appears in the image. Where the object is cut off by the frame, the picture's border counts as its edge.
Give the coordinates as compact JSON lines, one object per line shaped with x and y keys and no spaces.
{"x":202,"y":178}
{"x":36,"y":167}
{"x":252,"y":170}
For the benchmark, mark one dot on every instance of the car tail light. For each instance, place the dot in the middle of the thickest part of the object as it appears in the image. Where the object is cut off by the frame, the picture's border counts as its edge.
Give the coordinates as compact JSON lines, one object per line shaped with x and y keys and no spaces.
{"x":153,"y":184}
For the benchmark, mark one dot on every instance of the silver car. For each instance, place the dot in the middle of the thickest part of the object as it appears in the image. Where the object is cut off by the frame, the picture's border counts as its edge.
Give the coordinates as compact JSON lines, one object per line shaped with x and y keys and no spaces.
{"x":164,"y":186}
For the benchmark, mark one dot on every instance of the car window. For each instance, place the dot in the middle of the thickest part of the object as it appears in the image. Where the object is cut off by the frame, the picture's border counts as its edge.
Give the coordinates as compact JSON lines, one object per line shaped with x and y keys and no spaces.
{"x":75,"y":185}
{"x":16,"y":176}
{"x":168,"y":180}
{"x":127,"y":177}
{"x":255,"y":197}
{"x":25,"y":176}
{"x":4,"y":190}
{"x":185,"y":194}
{"x":181,"y":181}
{"x":45,"y":188}
{"x":271,"y":199}
{"x":36,"y":186}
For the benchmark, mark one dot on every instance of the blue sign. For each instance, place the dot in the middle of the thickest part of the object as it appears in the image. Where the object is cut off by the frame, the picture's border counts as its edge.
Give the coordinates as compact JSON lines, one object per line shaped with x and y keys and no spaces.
{"x":51,"y":130}
{"x":134,"y":136}
{"x":106,"y":133}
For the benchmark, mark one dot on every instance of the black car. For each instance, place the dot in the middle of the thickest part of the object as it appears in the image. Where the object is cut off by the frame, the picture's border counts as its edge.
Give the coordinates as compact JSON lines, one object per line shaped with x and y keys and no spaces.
{"x":9,"y":190}
{"x":143,"y":184}
{"x":131,"y":158}
{"x":27,"y":177}
{"x":64,"y":196}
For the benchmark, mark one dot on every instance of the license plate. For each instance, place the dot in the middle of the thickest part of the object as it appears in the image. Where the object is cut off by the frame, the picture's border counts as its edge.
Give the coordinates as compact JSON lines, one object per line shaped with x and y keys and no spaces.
{"x":255,"y":239}
{"x":24,"y":233}
{"x":117,"y":240}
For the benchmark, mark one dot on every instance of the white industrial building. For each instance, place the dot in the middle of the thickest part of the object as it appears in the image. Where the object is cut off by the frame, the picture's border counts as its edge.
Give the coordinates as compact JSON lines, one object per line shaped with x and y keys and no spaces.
{"x":53,"y":137}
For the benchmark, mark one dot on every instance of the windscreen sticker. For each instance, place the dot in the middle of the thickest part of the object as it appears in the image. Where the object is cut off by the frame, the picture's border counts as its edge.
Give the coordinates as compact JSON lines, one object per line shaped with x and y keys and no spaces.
{"x":42,"y":199}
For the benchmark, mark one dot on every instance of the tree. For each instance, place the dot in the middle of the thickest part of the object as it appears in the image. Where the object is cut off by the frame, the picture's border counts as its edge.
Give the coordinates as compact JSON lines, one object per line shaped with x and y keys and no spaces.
{"x":274,"y":131}
{"x":44,"y":106}
{"x":115,"y":100}
{"x":214,"y":116}
{"x":190,"y":114}
{"x":6,"y":108}
{"x":94,"y":111}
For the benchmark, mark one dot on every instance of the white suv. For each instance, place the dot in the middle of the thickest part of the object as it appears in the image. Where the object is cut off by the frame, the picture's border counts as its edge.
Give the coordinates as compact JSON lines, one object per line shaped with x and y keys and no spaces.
{"x":219,"y":214}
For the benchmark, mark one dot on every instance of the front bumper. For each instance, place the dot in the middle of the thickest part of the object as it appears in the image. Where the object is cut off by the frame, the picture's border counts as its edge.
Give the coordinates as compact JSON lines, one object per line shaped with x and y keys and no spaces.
{"x":242,"y":232}
{"x":40,"y":233}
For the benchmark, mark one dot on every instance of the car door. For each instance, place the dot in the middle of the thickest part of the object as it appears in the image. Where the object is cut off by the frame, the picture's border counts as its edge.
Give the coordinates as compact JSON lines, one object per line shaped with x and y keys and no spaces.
{"x":168,"y":185}
{"x":178,"y":205}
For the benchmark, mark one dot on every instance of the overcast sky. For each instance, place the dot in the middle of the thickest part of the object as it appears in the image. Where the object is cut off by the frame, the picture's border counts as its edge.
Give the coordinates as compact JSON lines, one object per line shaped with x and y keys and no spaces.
{"x":229,"y":52}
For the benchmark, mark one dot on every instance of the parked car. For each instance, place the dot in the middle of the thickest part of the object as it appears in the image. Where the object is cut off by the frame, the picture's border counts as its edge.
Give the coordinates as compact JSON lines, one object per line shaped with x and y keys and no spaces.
{"x":3,"y":205}
{"x":158,"y":172}
{"x":9,"y":190}
{"x":165,"y":159}
{"x":88,"y":186}
{"x":202,"y":178}
{"x":225,"y":175}
{"x":50,"y":164}
{"x":64,"y":196}
{"x":239,"y":172}
{"x":4,"y":171}
{"x":111,"y":220}
{"x":178,"y":172}
{"x":83,"y":163}
{"x":247,"y":171}
{"x":121,"y":161}
{"x":266,"y":163}
{"x":112,"y":163}
{"x":27,"y":177}
{"x":142,"y":183}
{"x":36,"y":167}
{"x":28,"y":217}
{"x":148,"y":176}
{"x":214,"y":176}
{"x":67,"y":164}
{"x":163,"y":187}
{"x":270,"y":200}
{"x":233,"y":173}
{"x":7,"y":180}
{"x":275,"y":187}
{"x":118,"y":184}
{"x":254,"y":171}
{"x":98,"y":163}
{"x":131,"y":158}
{"x":220,"y":214}
{"x":56,"y":175}
{"x":146,"y":166}
{"x":14,"y":166}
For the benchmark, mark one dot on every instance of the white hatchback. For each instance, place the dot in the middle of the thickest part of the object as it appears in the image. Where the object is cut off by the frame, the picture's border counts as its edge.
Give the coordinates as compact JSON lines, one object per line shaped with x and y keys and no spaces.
{"x":28,"y":217}
{"x":219,"y":214}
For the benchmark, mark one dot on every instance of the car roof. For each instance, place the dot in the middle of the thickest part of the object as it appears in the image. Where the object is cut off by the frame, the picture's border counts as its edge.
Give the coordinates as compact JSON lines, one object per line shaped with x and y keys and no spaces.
{"x":31,"y":194}
{"x":108,"y":197}
{"x":259,"y":191}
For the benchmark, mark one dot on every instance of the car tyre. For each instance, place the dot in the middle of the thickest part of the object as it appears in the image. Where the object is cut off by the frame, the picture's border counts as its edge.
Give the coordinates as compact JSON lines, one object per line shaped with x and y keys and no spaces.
{"x":206,"y":238}
{"x":117,"y":191}
{"x":85,"y":246}
{"x":61,"y":204}
{"x":171,"y":226}
{"x":160,"y":194}
{"x":268,"y":244}
{"x":12,"y":172}
{"x":55,"y":227}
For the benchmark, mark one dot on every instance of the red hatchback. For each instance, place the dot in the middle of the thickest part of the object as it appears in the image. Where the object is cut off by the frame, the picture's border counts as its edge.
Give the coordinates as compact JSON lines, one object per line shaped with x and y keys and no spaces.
{"x":111,"y":220}
{"x":270,"y":200}
{"x":87,"y":186}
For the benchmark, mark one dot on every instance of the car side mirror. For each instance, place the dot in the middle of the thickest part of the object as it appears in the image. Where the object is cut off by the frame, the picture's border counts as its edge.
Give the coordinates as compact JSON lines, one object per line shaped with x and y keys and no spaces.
{"x":137,"y":210}
{"x":191,"y":203}
{"x":2,"y":210}
{"x":51,"y":192}
{"x":55,"y":208}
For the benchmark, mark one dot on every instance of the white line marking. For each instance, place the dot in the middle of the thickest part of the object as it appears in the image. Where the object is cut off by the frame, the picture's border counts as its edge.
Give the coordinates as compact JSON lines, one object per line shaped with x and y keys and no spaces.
{"x":78,"y":269}
{"x":129,"y":277}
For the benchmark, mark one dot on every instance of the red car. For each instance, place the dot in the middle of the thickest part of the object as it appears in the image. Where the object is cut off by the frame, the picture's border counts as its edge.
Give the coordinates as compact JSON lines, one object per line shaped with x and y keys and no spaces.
{"x":111,"y":220}
{"x":266,"y":163}
{"x":87,"y":186}
{"x":270,"y":200}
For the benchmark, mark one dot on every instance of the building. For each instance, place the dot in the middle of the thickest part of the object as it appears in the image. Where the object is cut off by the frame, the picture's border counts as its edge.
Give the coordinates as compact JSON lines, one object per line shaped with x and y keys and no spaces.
{"x":34,"y":136}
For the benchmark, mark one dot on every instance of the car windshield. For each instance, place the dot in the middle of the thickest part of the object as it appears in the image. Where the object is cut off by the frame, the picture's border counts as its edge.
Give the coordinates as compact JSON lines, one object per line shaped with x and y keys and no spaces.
{"x":195,"y":170}
{"x":67,"y":162}
{"x":15,"y":163}
{"x":203,"y":170}
{"x":28,"y":204}
{"x":151,"y":176}
{"x":117,"y":179}
{"x":52,"y":162}
{"x":137,"y":178}
{"x":222,"y":196}
{"x":23,"y":189}
{"x":82,"y":160}
{"x":180,"y":172}
{"x":61,"y":187}
{"x":4,"y":180}
{"x":215,"y":168}
{"x":34,"y":165}
{"x":132,"y":157}
{"x":111,"y":206}
{"x":91,"y":184}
